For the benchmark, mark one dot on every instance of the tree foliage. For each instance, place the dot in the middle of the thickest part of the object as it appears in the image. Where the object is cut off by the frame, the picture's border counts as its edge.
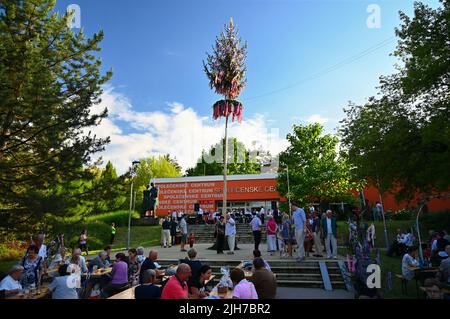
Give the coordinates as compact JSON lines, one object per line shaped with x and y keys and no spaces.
{"x":317,"y":173}
{"x":149,"y":169}
{"x":400,"y":139}
{"x":240,"y":160}
{"x":49,"y":79}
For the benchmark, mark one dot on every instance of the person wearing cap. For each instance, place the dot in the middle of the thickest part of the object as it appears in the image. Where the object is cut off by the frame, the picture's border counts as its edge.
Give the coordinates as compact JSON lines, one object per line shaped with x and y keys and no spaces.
{"x":11,"y":283}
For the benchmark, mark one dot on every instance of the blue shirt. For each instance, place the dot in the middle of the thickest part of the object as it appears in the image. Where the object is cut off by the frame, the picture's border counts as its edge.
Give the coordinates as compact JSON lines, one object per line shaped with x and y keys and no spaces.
{"x":299,"y":217}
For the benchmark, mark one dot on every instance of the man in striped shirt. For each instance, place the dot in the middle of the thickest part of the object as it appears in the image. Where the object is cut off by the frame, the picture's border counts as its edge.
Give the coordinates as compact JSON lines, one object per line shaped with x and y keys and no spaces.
{"x":243,"y":289}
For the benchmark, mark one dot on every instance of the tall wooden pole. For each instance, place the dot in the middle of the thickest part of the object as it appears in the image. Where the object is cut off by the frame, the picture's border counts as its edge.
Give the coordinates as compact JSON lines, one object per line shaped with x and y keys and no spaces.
{"x":225,"y":164}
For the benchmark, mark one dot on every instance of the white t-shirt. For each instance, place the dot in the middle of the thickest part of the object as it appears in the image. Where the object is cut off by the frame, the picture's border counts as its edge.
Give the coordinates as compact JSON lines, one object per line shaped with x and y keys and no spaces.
{"x":8,"y":283}
{"x":174,"y":214}
{"x":43,"y":251}
{"x":200,"y":212}
{"x":261,"y":212}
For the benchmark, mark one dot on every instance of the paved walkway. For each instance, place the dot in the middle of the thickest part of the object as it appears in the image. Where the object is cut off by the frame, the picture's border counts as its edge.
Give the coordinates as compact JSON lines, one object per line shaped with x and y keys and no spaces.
{"x":312,"y":293}
{"x":245,"y":252}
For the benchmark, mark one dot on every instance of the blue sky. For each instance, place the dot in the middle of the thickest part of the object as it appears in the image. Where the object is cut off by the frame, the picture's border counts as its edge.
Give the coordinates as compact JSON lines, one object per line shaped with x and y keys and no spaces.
{"x":156,"y":48}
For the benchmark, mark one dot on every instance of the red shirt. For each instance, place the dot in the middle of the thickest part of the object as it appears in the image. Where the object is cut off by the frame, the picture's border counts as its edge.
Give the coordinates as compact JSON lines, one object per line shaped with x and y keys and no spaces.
{"x":174,"y":289}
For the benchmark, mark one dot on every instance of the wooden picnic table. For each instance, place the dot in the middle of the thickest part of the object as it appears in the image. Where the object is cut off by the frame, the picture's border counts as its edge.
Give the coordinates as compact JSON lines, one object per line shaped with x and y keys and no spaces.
{"x":98,"y":273}
{"x":126,"y":294}
{"x":41,"y":294}
{"x":227,"y":295}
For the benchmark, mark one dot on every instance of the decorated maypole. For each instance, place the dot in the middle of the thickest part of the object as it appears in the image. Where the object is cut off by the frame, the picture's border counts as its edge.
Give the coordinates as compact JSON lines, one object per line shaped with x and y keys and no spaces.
{"x":225,"y":69}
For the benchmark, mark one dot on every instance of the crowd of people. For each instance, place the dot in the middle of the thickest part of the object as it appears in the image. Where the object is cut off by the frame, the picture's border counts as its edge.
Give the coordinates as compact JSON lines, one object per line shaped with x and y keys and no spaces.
{"x":308,"y":231}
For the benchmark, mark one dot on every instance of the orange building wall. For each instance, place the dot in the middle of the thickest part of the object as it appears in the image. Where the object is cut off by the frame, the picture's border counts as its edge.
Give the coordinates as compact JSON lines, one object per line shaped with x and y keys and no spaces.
{"x":171,"y":196}
{"x":389,"y":202}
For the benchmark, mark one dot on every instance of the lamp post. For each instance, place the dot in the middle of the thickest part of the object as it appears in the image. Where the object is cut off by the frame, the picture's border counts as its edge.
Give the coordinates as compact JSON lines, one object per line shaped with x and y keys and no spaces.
{"x":133,"y":165}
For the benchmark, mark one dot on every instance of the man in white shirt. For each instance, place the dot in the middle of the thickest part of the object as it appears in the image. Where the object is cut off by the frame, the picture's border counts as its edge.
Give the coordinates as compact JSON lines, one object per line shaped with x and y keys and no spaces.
{"x":262,"y":214}
{"x":230,"y":233}
{"x":256,"y":228}
{"x":174,"y":214}
{"x":11,"y":283}
{"x":199,"y":215}
{"x":299,"y":219}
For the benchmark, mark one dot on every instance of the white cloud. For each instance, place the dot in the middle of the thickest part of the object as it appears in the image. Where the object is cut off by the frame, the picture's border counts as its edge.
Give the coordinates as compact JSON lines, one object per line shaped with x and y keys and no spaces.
{"x":317,"y":118}
{"x":180,"y":132}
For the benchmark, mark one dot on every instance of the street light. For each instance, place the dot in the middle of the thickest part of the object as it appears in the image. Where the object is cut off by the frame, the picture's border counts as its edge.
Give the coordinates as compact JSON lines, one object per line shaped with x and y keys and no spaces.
{"x":133,"y":165}
{"x":289,"y":189}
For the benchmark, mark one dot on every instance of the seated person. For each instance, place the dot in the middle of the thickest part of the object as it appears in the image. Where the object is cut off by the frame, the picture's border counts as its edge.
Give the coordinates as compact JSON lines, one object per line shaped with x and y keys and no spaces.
{"x":150,"y":263}
{"x":176,"y":287}
{"x":78,"y":260}
{"x":59,"y":287}
{"x":249,"y":264}
{"x":444,"y":268}
{"x":99,"y":261}
{"x":60,"y":259}
{"x":410,"y":262}
{"x":264,"y":280}
{"x":433,"y":288}
{"x":108,"y":250}
{"x":243,"y":289}
{"x":148,"y":290}
{"x":119,"y":276}
{"x":197,"y":284}
{"x":192,"y":261}
{"x":140,"y":255}
{"x":11,"y":283}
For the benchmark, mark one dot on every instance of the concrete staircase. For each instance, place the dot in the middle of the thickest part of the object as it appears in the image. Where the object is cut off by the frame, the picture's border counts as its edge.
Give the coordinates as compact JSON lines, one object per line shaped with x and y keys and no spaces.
{"x":289,"y":273}
{"x":205,"y":233}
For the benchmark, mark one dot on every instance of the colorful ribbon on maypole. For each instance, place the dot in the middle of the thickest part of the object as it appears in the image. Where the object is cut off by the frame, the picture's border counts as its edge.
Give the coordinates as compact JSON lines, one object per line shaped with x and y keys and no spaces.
{"x":227,"y":108}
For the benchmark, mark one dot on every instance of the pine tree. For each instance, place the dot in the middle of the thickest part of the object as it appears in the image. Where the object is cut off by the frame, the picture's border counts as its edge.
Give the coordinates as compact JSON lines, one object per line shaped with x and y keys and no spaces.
{"x":49,"y":80}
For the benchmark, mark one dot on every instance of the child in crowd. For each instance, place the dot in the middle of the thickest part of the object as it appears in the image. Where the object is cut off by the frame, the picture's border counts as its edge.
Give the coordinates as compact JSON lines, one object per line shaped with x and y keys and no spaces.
{"x":281,"y":244}
{"x":191,"y":240}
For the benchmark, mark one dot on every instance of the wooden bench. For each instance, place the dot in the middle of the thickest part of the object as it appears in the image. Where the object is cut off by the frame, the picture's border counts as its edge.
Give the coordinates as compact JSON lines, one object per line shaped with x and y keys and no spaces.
{"x":404,"y":283}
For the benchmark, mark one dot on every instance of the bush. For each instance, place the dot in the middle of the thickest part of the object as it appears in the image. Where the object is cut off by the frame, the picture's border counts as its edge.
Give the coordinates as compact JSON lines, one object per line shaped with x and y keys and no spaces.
{"x":12,"y":251}
{"x":400,"y":215}
{"x":436,"y":221}
{"x":98,"y":234}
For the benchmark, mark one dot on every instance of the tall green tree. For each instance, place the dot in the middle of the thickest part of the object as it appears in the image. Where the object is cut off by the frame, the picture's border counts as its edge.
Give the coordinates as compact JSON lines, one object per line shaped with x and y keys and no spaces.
{"x":240,"y":160}
{"x":151,"y":168}
{"x":317,"y":173}
{"x":400,"y":139}
{"x":110,"y":190}
{"x":49,"y":80}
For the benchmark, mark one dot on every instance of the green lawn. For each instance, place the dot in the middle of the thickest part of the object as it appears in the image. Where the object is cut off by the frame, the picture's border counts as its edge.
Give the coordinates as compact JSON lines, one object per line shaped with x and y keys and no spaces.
{"x":140,"y":236}
{"x":391,"y":225}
